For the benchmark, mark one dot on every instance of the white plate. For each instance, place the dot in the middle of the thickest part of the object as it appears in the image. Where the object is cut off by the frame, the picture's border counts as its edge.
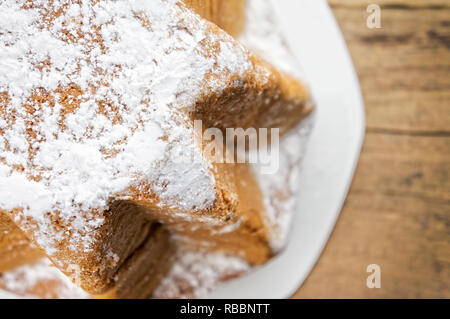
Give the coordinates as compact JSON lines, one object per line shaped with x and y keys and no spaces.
{"x":332,"y":154}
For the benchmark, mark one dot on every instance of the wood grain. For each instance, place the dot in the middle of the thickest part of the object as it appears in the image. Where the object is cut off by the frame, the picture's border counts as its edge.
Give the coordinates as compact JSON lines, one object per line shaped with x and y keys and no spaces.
{"x":397,"y":214}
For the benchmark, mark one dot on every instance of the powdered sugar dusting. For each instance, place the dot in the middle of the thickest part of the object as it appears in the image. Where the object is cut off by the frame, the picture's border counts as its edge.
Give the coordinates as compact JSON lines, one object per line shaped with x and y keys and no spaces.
{"x":263,"y":36}
{"x":91,"y":104}
{"x":26,"y":281}
{"x":196,"y":273}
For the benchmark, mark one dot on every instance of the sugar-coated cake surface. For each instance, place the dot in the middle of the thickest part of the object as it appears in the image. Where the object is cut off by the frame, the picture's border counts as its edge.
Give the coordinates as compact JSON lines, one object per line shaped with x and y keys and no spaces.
{"x":60,"y":149}
{"x":80,"y":153}
{"x":95,"y":103}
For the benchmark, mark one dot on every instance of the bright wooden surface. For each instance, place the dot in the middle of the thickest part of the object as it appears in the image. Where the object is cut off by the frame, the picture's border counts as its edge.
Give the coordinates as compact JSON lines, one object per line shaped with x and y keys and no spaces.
{"x":397,"y":214}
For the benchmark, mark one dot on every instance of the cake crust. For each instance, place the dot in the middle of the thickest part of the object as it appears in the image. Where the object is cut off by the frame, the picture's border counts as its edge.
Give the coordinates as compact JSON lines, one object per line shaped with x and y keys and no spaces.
{"x":229,"y":15}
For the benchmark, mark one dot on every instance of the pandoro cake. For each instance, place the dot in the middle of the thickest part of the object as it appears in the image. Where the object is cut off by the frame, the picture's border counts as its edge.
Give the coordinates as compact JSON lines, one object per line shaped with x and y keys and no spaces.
{"x":131,"y":174}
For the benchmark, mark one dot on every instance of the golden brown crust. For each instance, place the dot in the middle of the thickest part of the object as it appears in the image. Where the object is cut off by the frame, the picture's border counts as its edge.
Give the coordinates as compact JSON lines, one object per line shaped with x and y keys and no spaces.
{"x":276,"y":101}
{"x":125,"y":228}
{"x":238,"y":205}
{"x":227,"y":14}
{"x":15,"y":248}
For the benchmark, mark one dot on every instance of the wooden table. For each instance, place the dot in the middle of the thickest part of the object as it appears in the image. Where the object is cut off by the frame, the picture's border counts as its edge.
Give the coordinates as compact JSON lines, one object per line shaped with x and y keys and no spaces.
{"x":397,"y":214}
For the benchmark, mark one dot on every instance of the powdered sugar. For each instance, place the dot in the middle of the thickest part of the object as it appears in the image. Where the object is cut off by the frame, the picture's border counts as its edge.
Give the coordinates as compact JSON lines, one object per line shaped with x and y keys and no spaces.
{"x":196,"y":273}
{"x":25,"y":281}
{"x":263,"y":36}
{"x":92,"y":106}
